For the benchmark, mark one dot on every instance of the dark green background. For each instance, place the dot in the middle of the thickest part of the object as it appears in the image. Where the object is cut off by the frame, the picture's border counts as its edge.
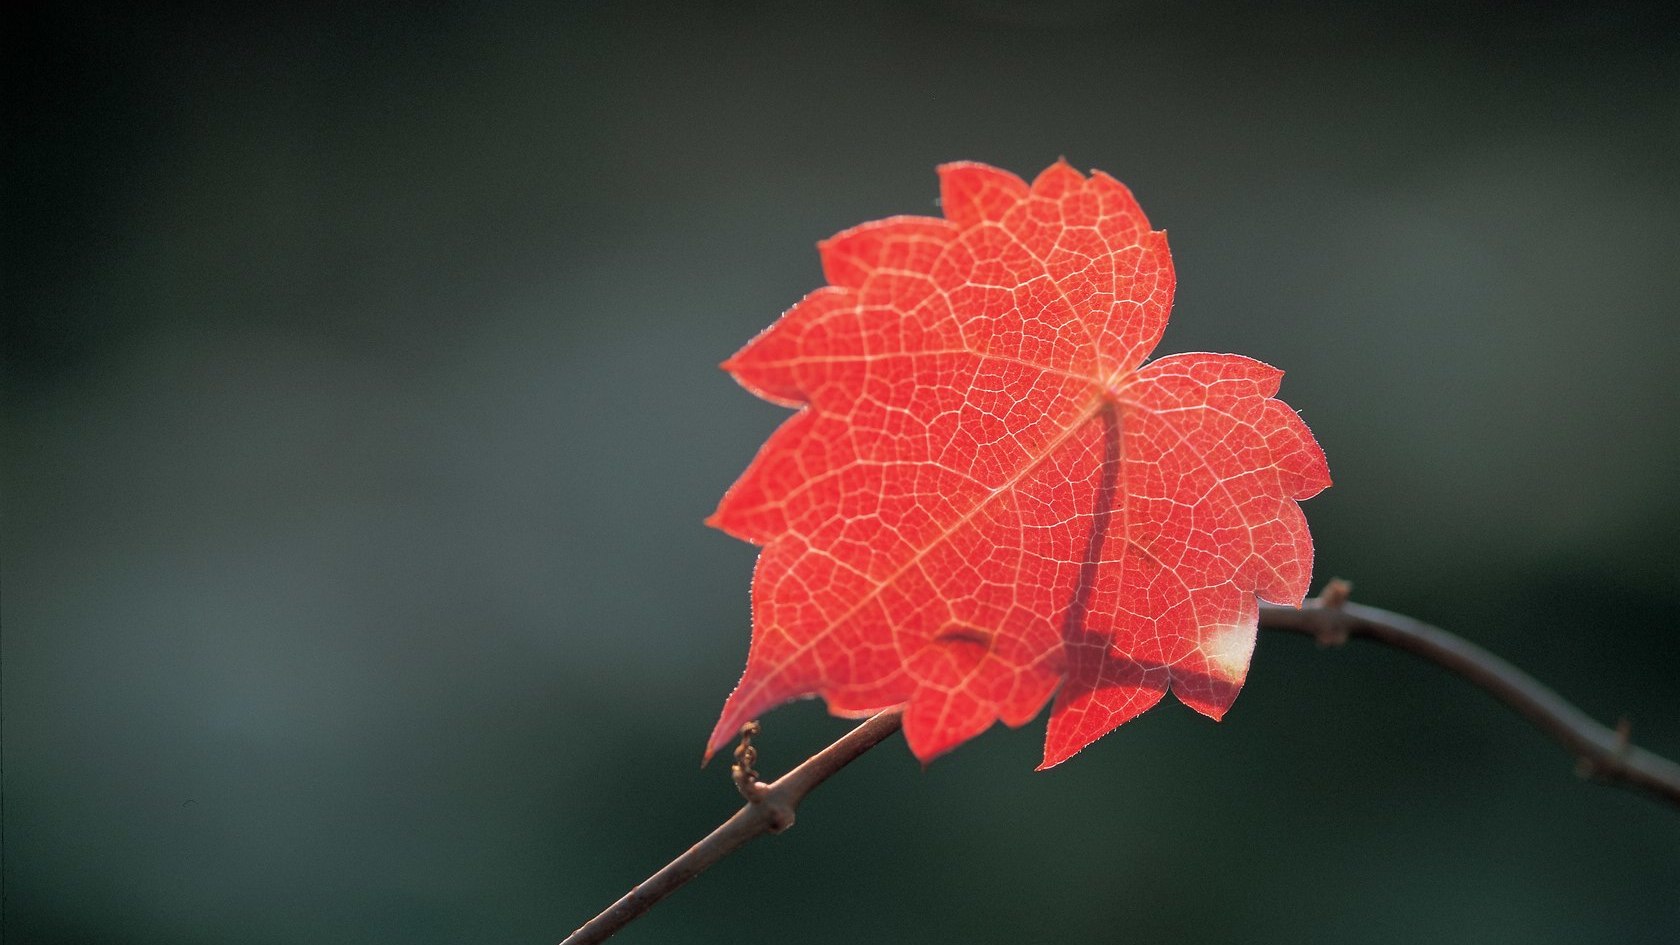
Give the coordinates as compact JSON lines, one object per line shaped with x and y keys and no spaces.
{"x":361,"y":410}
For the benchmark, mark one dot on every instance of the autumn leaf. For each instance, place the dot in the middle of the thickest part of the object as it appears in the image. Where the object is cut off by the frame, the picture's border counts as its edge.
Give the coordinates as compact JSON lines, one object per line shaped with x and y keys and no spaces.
{"x":988,"y":498}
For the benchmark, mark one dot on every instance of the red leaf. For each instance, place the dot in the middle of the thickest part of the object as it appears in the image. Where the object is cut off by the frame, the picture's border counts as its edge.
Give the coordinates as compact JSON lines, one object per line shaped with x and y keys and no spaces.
{"x":985,"y":497}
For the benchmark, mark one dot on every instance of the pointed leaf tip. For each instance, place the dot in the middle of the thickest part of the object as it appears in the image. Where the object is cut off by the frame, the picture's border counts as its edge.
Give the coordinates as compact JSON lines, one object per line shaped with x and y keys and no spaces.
{"x":972,"y":193}
{"x":1057,"y":180}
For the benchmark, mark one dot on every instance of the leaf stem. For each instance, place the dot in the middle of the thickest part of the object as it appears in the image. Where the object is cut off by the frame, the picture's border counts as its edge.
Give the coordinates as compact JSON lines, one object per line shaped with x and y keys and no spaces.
{"x":1602,"y":753}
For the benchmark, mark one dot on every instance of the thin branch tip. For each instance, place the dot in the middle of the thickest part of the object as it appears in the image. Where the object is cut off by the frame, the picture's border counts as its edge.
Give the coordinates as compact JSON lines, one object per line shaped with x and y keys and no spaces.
{"x":743,"y":772}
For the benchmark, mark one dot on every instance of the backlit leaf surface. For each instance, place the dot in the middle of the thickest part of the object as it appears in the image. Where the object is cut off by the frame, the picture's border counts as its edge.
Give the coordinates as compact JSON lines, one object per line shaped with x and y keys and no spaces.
{"x":987,"y":498}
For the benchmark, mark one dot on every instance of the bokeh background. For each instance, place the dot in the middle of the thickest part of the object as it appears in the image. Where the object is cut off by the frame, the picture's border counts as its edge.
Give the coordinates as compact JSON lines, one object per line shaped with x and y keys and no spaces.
{"x":361,"y":410}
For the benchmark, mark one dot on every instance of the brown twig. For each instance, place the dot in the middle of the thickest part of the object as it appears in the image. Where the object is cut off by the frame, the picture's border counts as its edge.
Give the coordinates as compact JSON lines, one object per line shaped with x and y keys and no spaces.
{"x":770,"y":809}
{"x":1600,"y":752}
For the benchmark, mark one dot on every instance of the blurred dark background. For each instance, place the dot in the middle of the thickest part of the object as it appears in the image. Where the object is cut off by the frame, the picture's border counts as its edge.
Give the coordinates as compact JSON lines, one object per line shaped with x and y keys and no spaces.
{"x":361,"y":410}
